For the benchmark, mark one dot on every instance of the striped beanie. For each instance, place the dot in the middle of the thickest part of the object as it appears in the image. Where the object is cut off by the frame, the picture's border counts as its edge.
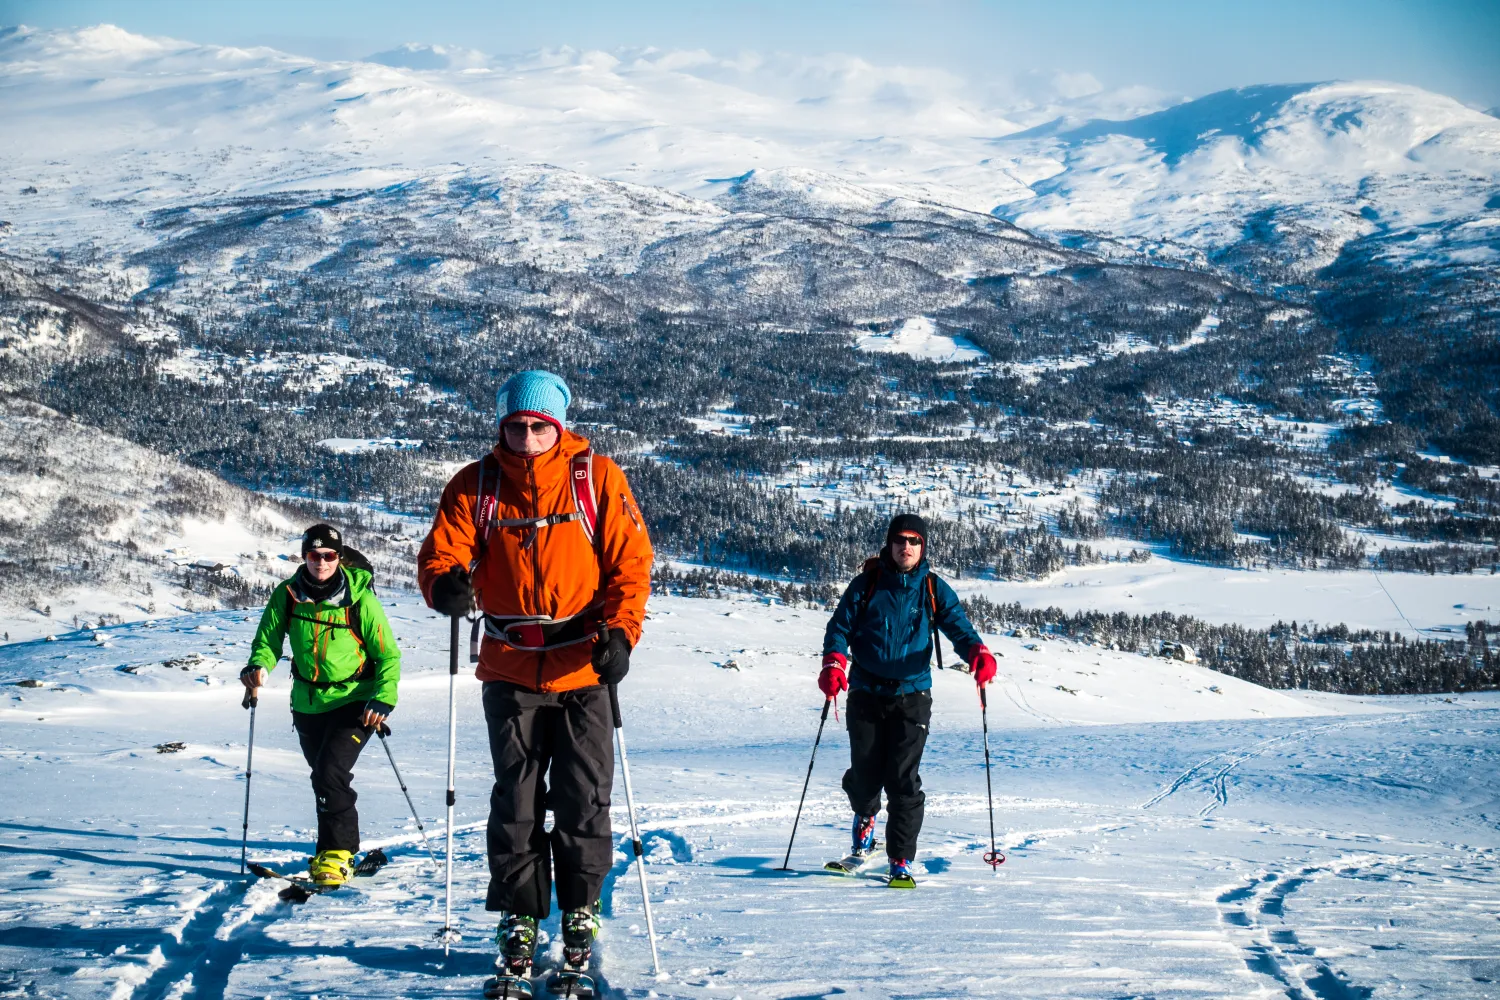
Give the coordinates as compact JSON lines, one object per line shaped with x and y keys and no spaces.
{"x":535,"y":393}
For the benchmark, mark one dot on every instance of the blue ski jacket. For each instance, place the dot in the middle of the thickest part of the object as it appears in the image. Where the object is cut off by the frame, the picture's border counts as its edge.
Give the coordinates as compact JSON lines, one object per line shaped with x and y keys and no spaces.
{"x":890,"y":643}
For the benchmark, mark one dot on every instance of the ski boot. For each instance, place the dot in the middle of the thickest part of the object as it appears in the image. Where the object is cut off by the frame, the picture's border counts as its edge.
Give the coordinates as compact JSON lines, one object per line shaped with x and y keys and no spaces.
{"x":331,"y":868}
{"x":516,"y":937}
{"x":863,"y":836}
{"x":862,"y":847}
{"x":900,"y":877}
{"x":580,"y":928}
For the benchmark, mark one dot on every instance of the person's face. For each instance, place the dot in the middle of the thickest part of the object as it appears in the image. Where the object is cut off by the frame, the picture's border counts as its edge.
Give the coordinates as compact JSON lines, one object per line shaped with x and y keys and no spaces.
{"x":529,"y":436}
{"x":906,"y":550}
{"x":321,"y":563}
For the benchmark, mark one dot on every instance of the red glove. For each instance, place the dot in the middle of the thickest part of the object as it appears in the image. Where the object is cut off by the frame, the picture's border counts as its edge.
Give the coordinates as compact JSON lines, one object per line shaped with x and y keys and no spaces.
{"x":832,"y":680}
{"x":982,"y":665}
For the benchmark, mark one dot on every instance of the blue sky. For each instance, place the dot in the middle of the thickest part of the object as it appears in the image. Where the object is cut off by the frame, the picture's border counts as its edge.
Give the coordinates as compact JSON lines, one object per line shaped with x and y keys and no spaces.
{"x":1182,"y":47}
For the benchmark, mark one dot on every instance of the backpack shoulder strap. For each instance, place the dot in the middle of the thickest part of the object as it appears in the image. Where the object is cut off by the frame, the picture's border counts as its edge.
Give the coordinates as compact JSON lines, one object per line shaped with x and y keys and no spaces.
{"x":585,"y":499}
{"x":486,"y":500}
{"x":937,"y":640}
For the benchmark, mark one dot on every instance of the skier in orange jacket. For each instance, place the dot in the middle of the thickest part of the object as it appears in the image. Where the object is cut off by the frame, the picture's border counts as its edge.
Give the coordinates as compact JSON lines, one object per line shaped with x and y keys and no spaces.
{"x":544,"y":537}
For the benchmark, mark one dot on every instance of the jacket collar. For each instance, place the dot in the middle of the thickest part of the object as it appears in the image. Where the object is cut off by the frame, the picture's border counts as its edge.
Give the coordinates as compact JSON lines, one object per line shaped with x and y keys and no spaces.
{"x":546,"y":467}
{"x":336,"y":591}
{"x":909,"y":578}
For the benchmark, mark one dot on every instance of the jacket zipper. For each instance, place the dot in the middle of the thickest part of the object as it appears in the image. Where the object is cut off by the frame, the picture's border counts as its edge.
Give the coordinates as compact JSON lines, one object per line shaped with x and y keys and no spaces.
{"x":536,"y":558}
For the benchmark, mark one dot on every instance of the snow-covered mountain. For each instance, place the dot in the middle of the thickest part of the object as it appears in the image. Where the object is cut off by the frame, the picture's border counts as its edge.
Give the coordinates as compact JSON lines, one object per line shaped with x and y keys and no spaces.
{"x":107,"y":126}
{"x":1307,"y":168}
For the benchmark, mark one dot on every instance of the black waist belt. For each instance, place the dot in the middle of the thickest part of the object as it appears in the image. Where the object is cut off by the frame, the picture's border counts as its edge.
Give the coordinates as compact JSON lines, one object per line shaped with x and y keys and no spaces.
{"x":881,"y":685}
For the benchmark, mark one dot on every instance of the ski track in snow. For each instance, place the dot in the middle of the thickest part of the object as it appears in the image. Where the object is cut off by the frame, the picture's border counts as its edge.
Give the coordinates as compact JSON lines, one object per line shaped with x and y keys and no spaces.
{"x":1356,"y":857}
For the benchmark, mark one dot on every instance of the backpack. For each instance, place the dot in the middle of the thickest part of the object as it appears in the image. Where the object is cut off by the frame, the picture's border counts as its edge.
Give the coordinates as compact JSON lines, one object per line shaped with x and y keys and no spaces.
{"x":538,"y":635}
{"x":873,"y":568}
{"x":585,"y":506}
{"x":352,"y":621}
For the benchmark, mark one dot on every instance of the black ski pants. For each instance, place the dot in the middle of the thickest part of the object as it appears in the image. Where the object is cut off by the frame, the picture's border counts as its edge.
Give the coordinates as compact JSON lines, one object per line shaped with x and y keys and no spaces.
{"x":886,"y":736}
{"x":552,"y":751}
{"x":331,"y":742}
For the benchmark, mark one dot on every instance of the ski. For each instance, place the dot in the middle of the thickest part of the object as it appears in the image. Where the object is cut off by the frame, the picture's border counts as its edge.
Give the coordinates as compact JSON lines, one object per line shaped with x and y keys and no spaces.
{"x":303,"y":888}
{"x":853,"y":862}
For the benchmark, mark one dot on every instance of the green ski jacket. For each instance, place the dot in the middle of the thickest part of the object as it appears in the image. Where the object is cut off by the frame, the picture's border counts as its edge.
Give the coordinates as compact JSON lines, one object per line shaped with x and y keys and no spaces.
{"x":341,"y":652}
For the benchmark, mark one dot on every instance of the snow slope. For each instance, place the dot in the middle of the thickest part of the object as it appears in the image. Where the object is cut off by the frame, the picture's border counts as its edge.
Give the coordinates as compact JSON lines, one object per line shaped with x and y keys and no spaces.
{"x":97,"y":526}
{"x":1164,"y":840}
{"x":919,"y":337}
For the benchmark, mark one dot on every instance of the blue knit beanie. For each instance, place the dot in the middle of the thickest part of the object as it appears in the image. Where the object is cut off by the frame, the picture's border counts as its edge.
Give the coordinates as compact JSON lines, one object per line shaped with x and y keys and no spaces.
{"x":538,"y":393}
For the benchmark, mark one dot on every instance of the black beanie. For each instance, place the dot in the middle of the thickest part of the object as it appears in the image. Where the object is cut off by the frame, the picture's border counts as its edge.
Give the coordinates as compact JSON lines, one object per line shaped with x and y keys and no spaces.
{"x":904,"y":523}
{"x":322,"y":536}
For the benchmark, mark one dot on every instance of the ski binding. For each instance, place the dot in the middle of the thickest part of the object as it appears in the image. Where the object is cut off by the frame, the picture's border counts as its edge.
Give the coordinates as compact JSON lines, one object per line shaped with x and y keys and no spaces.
{"x":571,"y":982}
{"x":508,"y":986}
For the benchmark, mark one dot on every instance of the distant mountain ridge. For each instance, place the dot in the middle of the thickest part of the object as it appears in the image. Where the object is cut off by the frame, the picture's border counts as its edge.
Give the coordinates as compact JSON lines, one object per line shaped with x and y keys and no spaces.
{"x":111,"y":125}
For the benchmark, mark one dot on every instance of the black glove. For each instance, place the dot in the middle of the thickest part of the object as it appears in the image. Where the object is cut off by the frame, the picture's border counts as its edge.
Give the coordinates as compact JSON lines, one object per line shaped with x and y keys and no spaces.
{"x":452,"y":594}
{"x":379,"y":707}
{"x":612,"y":657}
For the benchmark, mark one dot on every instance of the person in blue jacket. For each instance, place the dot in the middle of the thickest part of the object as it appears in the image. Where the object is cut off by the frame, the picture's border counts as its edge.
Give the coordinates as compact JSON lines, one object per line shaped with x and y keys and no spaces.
{"x":878,"y":647}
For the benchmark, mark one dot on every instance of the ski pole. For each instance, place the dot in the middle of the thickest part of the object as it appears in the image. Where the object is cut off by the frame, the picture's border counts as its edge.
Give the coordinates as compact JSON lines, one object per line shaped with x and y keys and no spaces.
{"x":993,"y":858}
{"x":250,"y":700}
{"x":805,"y":782}
{"x":383,"y":731}
{"x":448,"y":933}
{"x":635,"y":833}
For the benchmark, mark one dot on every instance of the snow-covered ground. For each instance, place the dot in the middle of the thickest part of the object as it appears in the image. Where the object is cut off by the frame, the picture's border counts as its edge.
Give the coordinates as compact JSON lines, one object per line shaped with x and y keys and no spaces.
{"x":919,"y":337}
{"x":1171,"y":831}
{"x":1436,"y":606}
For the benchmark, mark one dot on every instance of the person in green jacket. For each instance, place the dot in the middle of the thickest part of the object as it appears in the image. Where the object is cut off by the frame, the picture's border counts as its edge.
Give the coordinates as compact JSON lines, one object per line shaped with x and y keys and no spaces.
{"x":345,"y":666}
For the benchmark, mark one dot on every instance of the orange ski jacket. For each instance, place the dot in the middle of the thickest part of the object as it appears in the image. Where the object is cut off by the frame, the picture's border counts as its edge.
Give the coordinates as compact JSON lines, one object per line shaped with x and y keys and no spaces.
{"x":550,"y":573}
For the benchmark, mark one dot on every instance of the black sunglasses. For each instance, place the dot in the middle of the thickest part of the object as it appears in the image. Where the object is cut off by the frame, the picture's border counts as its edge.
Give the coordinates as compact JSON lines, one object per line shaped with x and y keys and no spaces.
{"x":322,"y":556}
{"x":521,"y":427}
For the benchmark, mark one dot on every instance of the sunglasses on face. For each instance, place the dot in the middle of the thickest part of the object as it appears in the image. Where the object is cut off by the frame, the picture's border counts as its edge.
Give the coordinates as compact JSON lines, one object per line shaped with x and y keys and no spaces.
{"x":520,"y":428}
{"x":322,"y":555}
{"x":911,"y":540}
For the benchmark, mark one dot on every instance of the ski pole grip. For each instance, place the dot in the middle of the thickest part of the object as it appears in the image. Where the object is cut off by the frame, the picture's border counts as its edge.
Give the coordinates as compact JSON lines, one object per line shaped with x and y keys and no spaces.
{"x":453,"y":645}
{"x":983,"y":702}
{"x":826,"y":703}
{"x":251,"y":699}
{"x":614,"y":705}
